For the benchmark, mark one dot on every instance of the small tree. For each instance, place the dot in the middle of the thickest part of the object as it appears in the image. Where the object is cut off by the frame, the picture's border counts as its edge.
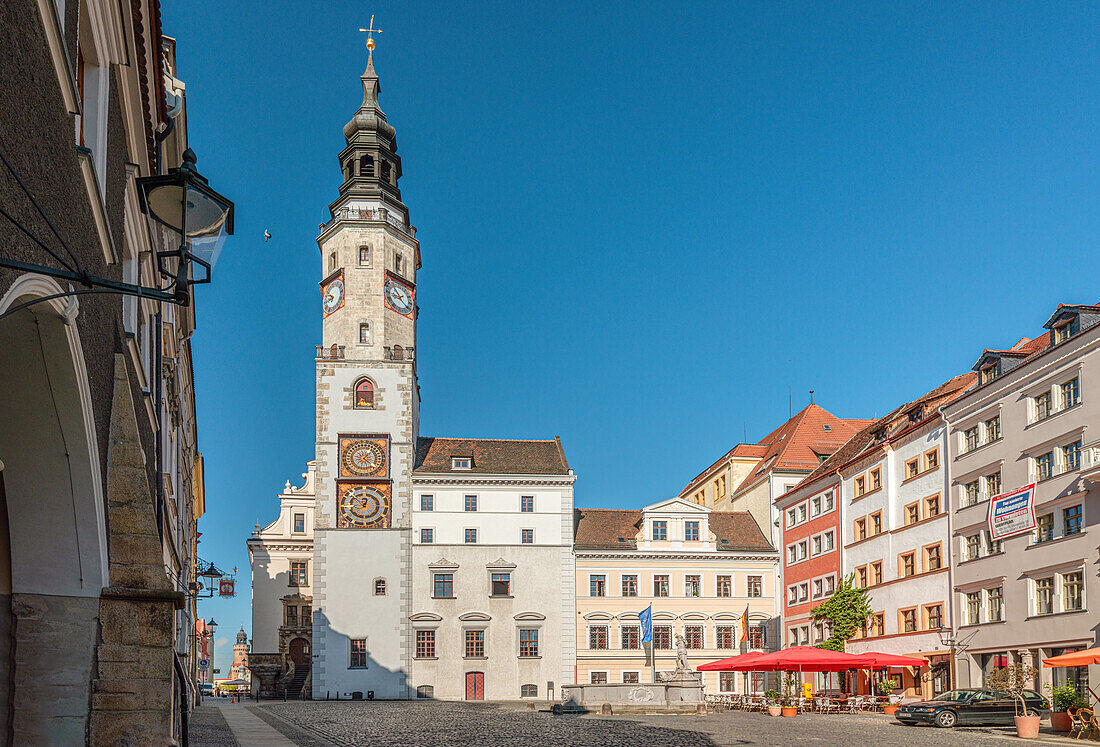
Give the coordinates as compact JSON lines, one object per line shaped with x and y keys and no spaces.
{"x":1013,"y":680}
{"x":846,"y":610}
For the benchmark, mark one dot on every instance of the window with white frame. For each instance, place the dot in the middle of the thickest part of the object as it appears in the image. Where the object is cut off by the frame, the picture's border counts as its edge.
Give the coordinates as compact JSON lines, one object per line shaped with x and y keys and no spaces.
{"x":597,"y":678}
{"x":754,"y":586}
{"x":993,"y":429}
{"x":970,"y":439}
{"x":630,"y":678}
{"x":1043,"y":590}
{"x":1042,"y":405}
{"x":973,"y":607}
{"x":971,"y":490}
{"x":1071,"y":456}
{"x":691,"y":531}
{"x":993,"y":484}
{"x":1073,"y":591}
{"x":727,"y":682}
{"x":1071,"y":393}
{"x":995,"y":604}
{"x":1044,"y":465}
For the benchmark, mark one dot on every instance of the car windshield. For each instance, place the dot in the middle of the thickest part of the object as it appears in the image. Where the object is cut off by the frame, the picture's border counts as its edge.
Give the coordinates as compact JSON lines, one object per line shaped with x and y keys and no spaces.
{"x":955,"y":695}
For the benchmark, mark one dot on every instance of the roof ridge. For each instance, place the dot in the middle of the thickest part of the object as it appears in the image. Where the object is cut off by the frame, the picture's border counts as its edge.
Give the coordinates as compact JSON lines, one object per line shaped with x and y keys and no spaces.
{"x":478,"y":438}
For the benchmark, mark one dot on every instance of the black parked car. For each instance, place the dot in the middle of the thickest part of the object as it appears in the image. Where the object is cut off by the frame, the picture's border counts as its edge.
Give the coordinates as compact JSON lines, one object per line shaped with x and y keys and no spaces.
{"x":970,"y":706}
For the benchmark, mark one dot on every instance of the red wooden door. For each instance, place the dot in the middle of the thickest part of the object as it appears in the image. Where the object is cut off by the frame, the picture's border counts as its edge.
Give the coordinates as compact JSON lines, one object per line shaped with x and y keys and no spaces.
{"x":475,"y":686}
{"x":299,"y":652}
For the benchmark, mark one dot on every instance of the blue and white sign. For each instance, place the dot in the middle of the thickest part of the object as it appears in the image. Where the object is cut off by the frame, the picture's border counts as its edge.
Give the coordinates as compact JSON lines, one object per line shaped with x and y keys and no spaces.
{"x":1012,"y":513}
{"x":204,"y":663}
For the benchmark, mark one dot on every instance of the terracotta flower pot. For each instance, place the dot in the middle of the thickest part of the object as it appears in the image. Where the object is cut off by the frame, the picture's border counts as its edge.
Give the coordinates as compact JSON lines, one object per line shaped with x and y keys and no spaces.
{"x":1060,"y":721}
{"x":1027,"y":727}
{"x":790,"y":711}
{"x":774,"y":710}
{"x":890,"y":709}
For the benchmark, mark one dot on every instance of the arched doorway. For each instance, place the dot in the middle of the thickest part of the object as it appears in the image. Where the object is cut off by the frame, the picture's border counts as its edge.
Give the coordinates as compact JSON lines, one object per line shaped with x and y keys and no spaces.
{"x":299,"y":652}
{"x":53,"y":552}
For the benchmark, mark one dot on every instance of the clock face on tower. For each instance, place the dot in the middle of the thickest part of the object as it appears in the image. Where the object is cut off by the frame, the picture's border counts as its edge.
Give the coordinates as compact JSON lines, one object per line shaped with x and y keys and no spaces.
{"x":399,"y":296}
{"x":332,"y":293}
{"x":364,"y":506}
{"x":363,"y":457}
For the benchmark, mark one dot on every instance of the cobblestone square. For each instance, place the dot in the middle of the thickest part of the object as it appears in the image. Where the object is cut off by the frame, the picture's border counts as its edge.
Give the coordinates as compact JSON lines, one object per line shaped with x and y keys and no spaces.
{"x":439,"y":724}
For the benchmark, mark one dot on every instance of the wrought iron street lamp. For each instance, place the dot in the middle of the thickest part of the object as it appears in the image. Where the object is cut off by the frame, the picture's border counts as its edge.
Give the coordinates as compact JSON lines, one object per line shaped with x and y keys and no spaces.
{"x":188,"y":223}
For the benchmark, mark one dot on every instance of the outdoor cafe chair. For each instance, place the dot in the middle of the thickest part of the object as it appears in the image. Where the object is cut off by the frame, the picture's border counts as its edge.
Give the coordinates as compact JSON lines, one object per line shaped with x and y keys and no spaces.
{"x":1084,"y":721}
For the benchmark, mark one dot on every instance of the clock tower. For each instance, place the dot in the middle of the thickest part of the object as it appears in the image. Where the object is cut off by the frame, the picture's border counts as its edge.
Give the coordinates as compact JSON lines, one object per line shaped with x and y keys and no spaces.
{"x":367,"y":417}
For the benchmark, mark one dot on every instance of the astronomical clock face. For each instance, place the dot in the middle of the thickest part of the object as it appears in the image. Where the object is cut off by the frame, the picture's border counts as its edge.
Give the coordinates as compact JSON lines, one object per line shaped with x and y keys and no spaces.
{"x":399,"y":296}
{"x":332,"y":294}
{"x":364,"y":506}
{"x":363,"y":457}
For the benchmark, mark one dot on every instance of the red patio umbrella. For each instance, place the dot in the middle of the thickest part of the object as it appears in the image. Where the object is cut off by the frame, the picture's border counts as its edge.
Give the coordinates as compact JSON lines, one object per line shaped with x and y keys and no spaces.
{"x":741,"y":663}
{"x":891,"y":660}
{"x":814,"y":659}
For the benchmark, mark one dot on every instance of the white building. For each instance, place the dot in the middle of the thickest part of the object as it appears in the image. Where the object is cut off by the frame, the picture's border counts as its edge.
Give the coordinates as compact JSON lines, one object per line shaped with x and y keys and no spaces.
{"x":492,"y":584}
{"x":343,"y":583}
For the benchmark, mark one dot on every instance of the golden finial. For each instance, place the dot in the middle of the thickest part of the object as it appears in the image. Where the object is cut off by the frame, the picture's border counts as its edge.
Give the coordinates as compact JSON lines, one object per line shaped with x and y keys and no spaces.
{"x":370,"y":32}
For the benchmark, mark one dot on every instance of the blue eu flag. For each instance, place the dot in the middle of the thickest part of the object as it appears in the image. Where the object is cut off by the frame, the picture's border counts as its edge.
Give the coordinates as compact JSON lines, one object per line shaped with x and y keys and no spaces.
{"x":645,"y":617}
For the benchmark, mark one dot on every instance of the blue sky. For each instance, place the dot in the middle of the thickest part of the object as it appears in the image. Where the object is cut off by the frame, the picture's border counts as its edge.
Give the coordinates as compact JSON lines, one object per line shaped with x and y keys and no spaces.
{"x":642,"y":224}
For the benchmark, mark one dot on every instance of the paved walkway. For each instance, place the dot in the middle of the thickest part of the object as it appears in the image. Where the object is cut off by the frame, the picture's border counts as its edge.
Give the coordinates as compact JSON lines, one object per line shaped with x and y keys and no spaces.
{"x":248,"y":730}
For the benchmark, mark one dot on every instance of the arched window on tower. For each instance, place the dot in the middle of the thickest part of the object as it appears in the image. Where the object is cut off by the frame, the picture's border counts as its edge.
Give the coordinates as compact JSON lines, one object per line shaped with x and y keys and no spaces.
{"x":364,"y":394}
{"x":332,"y":261}
{"x":349,"y":169}
{"x":385,"y":171}
{"x":366,"y":166}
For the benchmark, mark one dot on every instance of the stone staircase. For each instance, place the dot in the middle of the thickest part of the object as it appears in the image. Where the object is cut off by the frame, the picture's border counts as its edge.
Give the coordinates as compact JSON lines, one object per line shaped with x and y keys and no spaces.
{"x":297,"y":683}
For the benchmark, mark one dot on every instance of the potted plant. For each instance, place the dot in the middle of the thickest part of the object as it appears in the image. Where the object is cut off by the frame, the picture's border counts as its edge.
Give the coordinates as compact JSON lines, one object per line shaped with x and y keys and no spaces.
{"x":773,"y":697}
{"x":789,"y":701}
{"x":884,"y":688}
{"x":1013,"y":680}
{"x":1063,"y":700}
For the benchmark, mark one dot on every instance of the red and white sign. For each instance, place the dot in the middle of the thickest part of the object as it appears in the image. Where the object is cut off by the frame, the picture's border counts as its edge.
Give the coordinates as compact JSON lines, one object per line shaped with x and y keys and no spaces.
{"x":227,"y":587}
{"x":1012,"y":513}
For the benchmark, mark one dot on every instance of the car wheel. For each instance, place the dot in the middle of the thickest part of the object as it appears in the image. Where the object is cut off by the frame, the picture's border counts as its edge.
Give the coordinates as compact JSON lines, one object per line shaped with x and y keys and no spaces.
{"x":946,"y":719}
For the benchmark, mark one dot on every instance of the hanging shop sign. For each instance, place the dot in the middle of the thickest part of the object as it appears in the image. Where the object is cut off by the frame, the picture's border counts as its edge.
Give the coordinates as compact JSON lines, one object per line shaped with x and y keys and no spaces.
{"x":1012,"y":513}
{"x":227,"y":587}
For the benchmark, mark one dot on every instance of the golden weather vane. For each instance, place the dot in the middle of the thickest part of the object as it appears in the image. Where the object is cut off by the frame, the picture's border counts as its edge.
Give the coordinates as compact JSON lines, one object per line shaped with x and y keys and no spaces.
{"x":370,"y":32}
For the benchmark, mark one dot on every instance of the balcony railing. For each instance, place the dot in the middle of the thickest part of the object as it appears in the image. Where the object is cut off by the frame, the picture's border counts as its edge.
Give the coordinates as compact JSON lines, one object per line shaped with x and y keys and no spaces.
{"x":382,"y":215}
{"x":330,"y":353}
{"x":398,"y":353}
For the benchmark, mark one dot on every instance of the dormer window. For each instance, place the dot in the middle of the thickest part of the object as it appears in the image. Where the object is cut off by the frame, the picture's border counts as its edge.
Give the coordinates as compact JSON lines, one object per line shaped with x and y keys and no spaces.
{"x":462,"y":463}
{"x":989,"y":373}
{"x":915,"y":415}
{"x":1067,"y":329}
{"x":827,"y":427}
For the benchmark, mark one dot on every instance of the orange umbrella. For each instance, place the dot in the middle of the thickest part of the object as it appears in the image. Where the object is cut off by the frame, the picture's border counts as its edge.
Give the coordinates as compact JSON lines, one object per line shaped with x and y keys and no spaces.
{"x":1076,"y":659}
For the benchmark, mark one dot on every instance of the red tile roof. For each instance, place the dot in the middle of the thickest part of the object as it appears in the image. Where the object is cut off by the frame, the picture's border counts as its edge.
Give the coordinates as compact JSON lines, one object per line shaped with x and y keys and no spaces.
{"x":796,"y":444}
{"x":491,"y":456}
{"x":893,"y":425}
{"x":616,"y":529}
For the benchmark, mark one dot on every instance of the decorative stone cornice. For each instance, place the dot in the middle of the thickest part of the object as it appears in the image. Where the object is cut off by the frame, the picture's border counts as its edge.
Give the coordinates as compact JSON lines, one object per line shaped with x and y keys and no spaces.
{"x":543,"y":480}
{"x":722,"y":555}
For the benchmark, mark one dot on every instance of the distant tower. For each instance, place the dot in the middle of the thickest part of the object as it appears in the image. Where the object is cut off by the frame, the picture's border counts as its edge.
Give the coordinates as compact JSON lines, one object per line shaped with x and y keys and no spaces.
{"x":239,"y":670}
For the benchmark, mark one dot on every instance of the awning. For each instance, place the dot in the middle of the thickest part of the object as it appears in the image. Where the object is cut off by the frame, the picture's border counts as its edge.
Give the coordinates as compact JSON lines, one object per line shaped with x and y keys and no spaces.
{"x":1074,"y":659}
